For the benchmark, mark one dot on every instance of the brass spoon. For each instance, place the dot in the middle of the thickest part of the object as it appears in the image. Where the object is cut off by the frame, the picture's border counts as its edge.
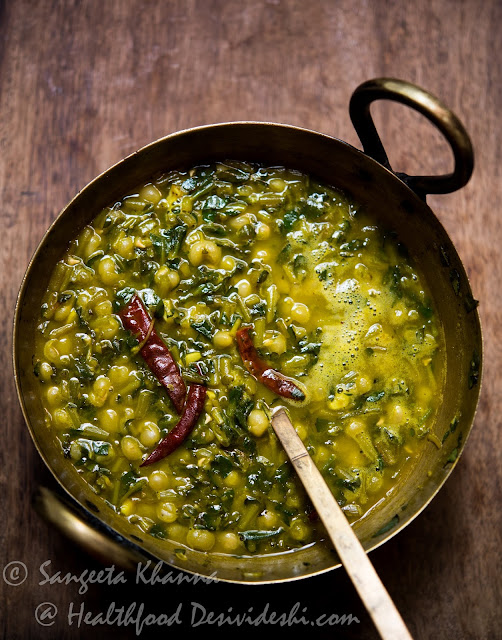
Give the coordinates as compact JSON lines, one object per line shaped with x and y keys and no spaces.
{"x":371,"y":590}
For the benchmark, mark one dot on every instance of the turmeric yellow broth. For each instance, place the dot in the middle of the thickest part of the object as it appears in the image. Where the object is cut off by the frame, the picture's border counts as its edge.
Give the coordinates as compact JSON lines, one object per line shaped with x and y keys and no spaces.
{"x":333,"y":302}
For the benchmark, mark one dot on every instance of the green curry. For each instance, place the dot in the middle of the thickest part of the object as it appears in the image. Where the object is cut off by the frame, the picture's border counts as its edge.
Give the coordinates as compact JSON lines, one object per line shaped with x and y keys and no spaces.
{"x":329,"y":299}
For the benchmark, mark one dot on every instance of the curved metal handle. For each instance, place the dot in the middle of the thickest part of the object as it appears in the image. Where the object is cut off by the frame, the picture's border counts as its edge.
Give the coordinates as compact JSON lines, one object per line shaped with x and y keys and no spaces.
{"x":427,"y":104}
{"x":88,"y":532}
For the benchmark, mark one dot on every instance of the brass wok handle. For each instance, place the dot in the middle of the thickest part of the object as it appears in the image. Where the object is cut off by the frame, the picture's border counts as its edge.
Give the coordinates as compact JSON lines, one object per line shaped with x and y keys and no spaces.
{"x":434,"y":110}
{"x":88,"y":532}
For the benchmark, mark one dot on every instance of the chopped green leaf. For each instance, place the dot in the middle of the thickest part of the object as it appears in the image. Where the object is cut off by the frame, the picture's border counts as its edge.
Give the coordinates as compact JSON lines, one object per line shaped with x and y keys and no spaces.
{"x":285,"y":254}
{"x":300,"y":265}
{"x":289,"y":220}
{"x":387,"y":527}
{"x":158,"y":531}
{"x":101,"y":448}
{"x":240,"y":405}
{"x":259,"y":534}
{"x":222,"y":465}
{"x":122,"y":297}
{"x":474,"y":370}
{"x":375,"y":397}
{"x":204,"y":327}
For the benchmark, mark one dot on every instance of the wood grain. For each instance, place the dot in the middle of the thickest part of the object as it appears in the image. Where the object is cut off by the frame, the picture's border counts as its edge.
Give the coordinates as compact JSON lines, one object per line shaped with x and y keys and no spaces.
{"x":82,"y":84}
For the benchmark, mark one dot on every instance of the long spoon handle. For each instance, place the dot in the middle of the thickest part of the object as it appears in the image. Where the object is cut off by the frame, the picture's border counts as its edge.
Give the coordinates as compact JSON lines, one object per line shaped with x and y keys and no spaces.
{"x":375,"y":597}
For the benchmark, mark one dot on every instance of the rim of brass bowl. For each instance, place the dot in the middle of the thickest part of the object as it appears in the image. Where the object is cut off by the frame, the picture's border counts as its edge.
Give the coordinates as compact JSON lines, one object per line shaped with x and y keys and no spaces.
{"x":393,"y":202}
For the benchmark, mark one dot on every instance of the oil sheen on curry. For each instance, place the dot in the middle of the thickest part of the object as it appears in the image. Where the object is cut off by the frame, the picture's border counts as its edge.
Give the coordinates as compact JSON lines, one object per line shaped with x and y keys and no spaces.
{"x":186,"y":312}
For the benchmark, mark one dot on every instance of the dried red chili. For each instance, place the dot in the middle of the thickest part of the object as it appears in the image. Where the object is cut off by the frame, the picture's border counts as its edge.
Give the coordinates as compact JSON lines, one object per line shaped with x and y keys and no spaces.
{"x":194,"y":404}
{"x":258,"y":368}
{"x":154,"y":351}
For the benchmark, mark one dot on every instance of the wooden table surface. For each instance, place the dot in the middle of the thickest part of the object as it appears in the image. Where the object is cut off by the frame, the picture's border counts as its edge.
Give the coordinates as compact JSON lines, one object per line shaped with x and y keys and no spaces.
{"x":83,"y":84}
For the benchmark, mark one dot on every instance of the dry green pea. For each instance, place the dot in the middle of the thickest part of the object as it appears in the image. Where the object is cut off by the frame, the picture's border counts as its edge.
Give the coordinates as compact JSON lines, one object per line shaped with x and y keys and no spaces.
{"x":233,"y":479}
{"x":292,"y":500}
{"x":158,"y":480}
{"x":150,"y":434}
{"x":262,"y":231}
{"x":100,"y":390}
{"x":204,"y":251}
{"x":222,"y":339}
{"x":250,"y":385}
{"x":262,"y":254}
{"x":258,"y":422}
{"x":177,"y":532}
{"x":167,"y":512}
{"x":45,"y":371}
{"x":300,"y":313}
{"x":396,"y":414}
{"x":119,"y":376}
{"x":228,"y":263}
{"x":242,"y":220}
{"x":62,"y":312}
{"x":75,"y":451}
{"x":124,"y":246}
{"x":107,"y":271}
{"x":340,"y":401}
{"x":92,"y":245}
{"x":275,"y":343}
{"x":244,"y":288}
{"x":131,"y":448}
{"x":374,"y":483}
{"x":229,"y":541}
{"x":106,"y":327}
{"x":51,"y":351}
{"x":127,"y":507}
{"x":200,"y":539}
{"x":299,"y":530}
{"x":104,"y":308}
{"x":54,"y":397}
{"x":267,"y":520}
{"x":166,"y":280}
{"x":109,"y":420}
{"x":65,"y":346}
{"x":277,"y":184}
{"x":244,"y":190}
{"x":150,"y":193}
{"x":204,"y":458}
{"x":286,"y":305}
{"x":363,"y":384}
{"x":61,"y":419}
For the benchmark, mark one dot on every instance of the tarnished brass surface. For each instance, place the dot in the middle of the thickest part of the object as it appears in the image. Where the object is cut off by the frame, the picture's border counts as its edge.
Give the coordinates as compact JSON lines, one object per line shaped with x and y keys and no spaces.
{"x":394,"y":204}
